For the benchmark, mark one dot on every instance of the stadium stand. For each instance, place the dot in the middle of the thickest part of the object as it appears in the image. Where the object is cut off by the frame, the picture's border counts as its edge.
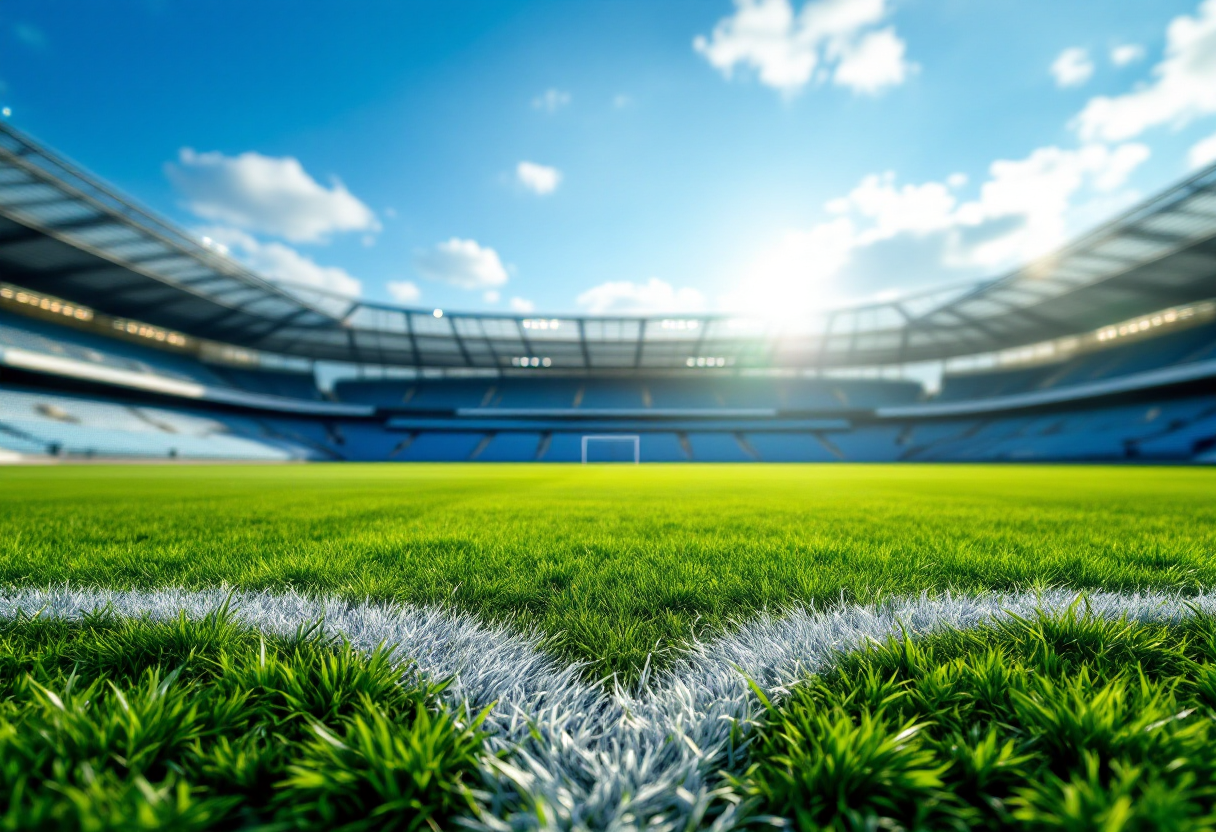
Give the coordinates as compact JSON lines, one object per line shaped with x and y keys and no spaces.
{"x":646,"y":393}
{"x":58,"y":425}
{"x":276,"y":383}
{"x":1105,"y":351}
{"x":17,"y":332}
{"x":1169,"y":349}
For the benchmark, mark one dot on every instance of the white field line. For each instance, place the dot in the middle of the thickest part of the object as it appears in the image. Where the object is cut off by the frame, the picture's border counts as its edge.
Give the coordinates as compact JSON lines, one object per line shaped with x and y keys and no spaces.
{"x":580,"y":756}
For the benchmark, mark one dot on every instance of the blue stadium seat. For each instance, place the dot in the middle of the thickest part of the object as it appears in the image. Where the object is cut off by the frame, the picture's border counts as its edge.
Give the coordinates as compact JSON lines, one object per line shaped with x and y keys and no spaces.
{"x":662,"y":447}
{"x":1181,"y":443}
{"x":420,"y":395}
{"x":12,"y":439}
{"x":1121,"y":358}
{"x":305,"y":431}
{"x":929,"y":433}
{"x":790,"y":447}
{"x":871,"y":393}
{"x":1070,"y":447}
{"x":381,"y":393}
{"x":365,"y":442}
{"x":563,"y":447}
{"x":868,"y":444}
{"x":980,"y":385}
{"x":270,"y":382}
{"x":452,"y":394}
{"x":511,"y":447}
{"x":718,"y":447}
{"x":810,"y":395}
{"x":752,"y":392}
{"x":612,"y":393}
{"x":684,"y":393}
{"x":659,"y":393}
{"x":537,"y":393}
{"x":69,"y":342}
{"x":440,"y":446}
{"x":90,"y":426}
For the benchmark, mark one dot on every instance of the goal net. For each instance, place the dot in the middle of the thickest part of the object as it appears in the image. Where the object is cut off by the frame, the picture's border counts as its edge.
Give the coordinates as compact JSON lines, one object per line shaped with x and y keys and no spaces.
{"x":615,"y":448}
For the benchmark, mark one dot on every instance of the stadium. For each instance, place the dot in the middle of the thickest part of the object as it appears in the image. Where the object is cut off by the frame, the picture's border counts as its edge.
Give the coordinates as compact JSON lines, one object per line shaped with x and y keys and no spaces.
{"x":943,"y":560}
{"x":123,"y":336}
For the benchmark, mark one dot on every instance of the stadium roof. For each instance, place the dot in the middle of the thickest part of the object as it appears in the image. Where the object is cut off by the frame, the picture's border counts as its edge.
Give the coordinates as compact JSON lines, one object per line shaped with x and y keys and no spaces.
{"x":64,"y":232}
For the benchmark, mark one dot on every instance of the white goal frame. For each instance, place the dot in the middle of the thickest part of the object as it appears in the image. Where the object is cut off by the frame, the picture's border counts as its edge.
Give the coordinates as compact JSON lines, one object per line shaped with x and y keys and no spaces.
{"x":616,"y":437}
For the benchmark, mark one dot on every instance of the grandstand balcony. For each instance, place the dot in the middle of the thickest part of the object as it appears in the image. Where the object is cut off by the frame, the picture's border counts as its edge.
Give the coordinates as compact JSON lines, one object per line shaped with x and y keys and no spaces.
{"x":1186,"y":342}
{"x":54,"y":348}
{"x":36,"y":422}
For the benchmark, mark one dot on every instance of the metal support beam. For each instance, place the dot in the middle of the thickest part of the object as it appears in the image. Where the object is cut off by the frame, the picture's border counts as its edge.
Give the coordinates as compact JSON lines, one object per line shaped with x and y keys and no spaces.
{"x":523,"y":336}
{"x":582,"y":344}
{"x":464,"y":352}
{"x":409,"y":331}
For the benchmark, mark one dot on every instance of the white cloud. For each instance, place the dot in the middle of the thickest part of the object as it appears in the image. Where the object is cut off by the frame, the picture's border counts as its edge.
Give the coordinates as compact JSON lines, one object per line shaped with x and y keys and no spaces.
{"x":884,"y":235}
{"x":1183,"y":86}
{"x":836,"y":37}
{"x":1126,"y":53}
{"x":622,"y":100}
{"x":1072,"y":67}
{"x":1037,"y":192}
{"x":492,"y":296}
{"x":522,"y":306}
{"x":404,"y":291}
{"x":1203,"y":152}
{"x":279,"y":262}
{"x":267,"y":194}
{"x":884,"y":231}
{"x":551,"y":100}
{"x":892,"y":210}
{"x":877,"y":62}
{"x":462,"y":263}
{"x":540,"y":179}
{"x":761,"y":34}
{"x":627,"y":297}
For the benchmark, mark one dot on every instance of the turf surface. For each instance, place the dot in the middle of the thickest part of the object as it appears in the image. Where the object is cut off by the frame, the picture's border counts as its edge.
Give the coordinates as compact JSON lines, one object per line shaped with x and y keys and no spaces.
{"x":1062,"y":722}
{"x":125,"y":724}
{"x":614,"y":564}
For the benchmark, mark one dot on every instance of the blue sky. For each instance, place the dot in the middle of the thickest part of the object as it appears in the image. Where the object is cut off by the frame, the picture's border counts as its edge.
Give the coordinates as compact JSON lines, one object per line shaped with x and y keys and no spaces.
{"x":604,"y":156}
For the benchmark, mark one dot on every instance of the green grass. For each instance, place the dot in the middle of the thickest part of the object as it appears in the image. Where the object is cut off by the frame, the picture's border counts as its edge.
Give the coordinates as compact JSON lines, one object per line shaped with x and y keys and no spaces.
{"x":1058,"y":723}
{"x":191,"y":725}
{"x":1062,"y":722}
{"x":611,"y":562}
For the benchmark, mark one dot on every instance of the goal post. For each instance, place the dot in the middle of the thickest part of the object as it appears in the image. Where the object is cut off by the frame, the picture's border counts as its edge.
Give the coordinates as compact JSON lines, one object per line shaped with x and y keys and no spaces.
{"x":612,"y":448}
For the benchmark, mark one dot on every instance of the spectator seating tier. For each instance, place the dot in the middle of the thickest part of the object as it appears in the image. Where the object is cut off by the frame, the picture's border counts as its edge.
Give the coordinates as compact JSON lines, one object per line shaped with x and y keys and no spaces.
{"x":1135,"y":355}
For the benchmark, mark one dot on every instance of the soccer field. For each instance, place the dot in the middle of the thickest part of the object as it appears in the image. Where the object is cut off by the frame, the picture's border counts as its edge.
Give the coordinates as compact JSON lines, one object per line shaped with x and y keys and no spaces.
{"x":612,"y":564}
{"x":546,"y":588}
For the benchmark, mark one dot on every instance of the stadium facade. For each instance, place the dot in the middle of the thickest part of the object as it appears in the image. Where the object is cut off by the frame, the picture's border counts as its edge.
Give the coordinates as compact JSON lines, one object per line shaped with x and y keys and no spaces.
{"x":122,"y":336}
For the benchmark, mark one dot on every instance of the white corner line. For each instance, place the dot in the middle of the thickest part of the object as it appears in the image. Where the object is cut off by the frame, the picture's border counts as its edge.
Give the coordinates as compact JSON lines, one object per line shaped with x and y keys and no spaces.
{"x":580,"y":756}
